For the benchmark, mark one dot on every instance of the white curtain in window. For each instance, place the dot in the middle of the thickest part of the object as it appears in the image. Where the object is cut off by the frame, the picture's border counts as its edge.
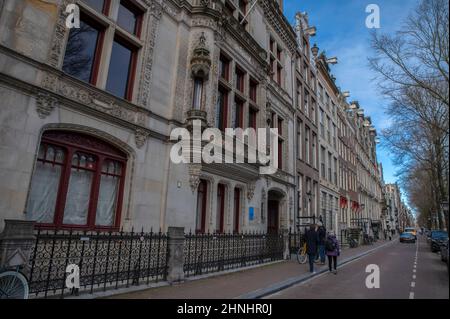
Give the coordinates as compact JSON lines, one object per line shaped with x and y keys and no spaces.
{"x":78,"y":195}
{"x":107,"y":200}
{"x":44,"y":190}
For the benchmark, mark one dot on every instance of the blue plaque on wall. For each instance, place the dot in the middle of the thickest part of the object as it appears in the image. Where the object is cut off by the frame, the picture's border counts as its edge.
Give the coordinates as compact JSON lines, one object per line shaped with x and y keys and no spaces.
{"x":251,"y":213}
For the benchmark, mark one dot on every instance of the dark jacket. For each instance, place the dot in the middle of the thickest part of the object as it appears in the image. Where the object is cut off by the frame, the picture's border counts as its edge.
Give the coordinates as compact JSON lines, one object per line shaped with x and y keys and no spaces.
{"x":322,"y":235}
{"x":312,"y":240}
{"x":337,"y":250}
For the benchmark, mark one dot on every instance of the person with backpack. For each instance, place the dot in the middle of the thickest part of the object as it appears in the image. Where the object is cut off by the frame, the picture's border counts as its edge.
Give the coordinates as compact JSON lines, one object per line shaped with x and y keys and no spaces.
{"x":312,"y":240}
{"x":322,"y":233}
{"x":333,"y":251}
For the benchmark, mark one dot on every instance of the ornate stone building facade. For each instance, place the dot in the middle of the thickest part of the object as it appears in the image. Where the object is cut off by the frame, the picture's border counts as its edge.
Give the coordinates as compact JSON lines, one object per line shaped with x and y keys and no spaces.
{"x":369,"y":182}
{"x":87,"y":112}
{"x":329,"y":97}
{"x":394,"y":207}
{"x":348,"y":202}
{"x":306,"y":136}
{"x":87,"y":115}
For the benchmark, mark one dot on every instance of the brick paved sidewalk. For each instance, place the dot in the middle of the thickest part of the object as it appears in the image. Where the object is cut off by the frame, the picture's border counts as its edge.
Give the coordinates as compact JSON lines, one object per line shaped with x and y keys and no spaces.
{"x":250,"y":283}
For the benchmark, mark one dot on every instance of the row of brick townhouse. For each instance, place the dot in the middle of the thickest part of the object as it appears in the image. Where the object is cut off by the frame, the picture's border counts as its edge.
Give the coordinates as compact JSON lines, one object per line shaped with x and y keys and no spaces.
{"x":86,"y":116}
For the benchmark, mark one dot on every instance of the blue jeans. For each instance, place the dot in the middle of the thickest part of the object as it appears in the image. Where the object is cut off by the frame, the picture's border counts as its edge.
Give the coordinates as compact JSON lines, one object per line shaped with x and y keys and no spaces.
{"x":322,"y":253}
{"x":311,"y":258}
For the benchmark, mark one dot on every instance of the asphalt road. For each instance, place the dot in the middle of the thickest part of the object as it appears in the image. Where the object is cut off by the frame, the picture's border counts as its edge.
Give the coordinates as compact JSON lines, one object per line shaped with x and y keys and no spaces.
{"x":402,"y":276}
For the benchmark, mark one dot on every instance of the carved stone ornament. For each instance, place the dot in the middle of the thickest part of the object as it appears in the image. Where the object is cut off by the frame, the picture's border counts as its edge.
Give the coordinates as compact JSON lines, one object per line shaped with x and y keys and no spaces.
{"x":45,"y":104}
{"x":194,"y":176}
{"x":201,"y":59}
{"x":250,"y":190}
{"x":140,"y":137}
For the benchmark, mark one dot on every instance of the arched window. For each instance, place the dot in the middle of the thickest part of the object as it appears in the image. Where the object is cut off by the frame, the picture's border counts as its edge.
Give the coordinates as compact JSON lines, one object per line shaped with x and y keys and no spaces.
{"x":77,"y":183}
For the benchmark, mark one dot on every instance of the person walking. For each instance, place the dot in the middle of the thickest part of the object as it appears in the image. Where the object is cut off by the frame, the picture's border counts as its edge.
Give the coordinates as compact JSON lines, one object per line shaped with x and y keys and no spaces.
{"x":312,"y":240}
{"x":322,"y":233}
{"x":333,"y":251}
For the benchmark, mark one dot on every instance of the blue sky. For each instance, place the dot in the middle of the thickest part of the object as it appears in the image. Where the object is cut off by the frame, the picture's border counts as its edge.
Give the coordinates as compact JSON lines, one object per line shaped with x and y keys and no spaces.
{"x":341,"y":32}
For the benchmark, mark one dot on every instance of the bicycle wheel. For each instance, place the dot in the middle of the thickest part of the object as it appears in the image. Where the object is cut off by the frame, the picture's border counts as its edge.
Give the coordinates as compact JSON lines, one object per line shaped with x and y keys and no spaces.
{"x":13,"y":285}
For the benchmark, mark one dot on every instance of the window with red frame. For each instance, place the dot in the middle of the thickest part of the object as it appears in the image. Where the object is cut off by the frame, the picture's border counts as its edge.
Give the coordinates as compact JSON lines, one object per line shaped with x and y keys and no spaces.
{"x":237,"y":209}
{"x":224,"y":68}
{"x":238,"y":114}
{"x":202,"y":194}
{"x":77,"y":183}
{"x":101,"y":6}
{"x":280,"y":154}
{"x":240,"y":77}
{"x":122,"y":69}
{"x":83,"y":50}
{"x":85,"y":45}
{"x":279,"y":75}
{"x":130,"y":17}
{"x":252,"y":116}
{"x":280,"y":126}
{"x":222,"y":109}
{"x":253,"y":90}
{"x":220,"y":208}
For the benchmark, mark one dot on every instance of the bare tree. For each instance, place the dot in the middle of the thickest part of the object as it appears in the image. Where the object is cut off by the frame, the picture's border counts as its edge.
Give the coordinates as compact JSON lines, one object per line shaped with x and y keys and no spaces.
{"x":418,"y":54}
{"x":412,"y":67}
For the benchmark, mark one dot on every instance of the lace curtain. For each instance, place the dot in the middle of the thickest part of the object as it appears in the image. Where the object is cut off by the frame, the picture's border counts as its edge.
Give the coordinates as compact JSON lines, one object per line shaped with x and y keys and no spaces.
{"x":78,"y":195}
{"x":107,"y":200}
{"x":44,"y":190}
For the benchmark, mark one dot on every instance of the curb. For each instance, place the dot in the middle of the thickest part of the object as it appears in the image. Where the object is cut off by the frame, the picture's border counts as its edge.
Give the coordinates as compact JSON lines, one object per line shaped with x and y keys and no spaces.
{"x":270,"y":290}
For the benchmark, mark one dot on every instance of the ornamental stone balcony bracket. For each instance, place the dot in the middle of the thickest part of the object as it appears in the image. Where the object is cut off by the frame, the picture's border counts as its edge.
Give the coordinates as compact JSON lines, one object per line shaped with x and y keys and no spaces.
{"x":140,"y":137}
{"x":201,"y":59}
{"x":45,"y":104}
{"x":193,"y":115}
{"x":194,"y":176}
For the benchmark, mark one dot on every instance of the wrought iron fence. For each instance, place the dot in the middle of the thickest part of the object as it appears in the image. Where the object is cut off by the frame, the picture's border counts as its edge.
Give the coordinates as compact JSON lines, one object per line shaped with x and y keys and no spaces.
{"x":207,"y":253}
{"x":296,"y":240}
{"x":105,"y":260}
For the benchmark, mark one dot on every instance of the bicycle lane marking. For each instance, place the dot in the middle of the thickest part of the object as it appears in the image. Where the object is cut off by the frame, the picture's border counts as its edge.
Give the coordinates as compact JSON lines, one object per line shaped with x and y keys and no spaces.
{"x":414,"y":276}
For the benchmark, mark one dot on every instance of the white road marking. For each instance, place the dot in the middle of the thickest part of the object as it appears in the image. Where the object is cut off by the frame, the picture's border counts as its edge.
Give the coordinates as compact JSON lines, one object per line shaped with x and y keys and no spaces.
{"x":413,"y":284}
{"x":411,"y":295}
{"x":414,"y":270}
{"x":414,"y":276}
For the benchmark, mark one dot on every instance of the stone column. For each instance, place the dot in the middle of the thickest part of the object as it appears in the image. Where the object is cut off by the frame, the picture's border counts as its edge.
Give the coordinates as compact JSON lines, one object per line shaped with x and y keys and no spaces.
{"x":175,"y":254}
{"x":286,"y":251}
{"x":16,"y":243}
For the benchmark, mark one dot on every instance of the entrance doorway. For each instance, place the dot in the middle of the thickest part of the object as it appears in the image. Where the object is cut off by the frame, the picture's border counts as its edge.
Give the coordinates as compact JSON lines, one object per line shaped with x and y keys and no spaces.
{"x":274,"y":210}
{"x":272,"y":216}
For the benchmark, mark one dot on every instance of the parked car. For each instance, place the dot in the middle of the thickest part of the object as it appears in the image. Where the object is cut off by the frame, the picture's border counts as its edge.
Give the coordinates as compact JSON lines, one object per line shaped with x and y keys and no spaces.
{"x":407,"y":238}
{"x":411,"y":230}
{"x":438,"y":238}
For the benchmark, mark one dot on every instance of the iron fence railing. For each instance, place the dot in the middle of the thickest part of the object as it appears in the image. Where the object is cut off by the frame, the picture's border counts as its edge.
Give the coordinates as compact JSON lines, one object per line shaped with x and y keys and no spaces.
{"x":296,"y":240}
{"x":207,"y":253}
{"x":105,"y":260}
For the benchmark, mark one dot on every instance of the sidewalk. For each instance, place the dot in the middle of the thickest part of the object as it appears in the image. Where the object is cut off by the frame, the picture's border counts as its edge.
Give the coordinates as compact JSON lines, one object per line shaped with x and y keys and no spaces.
{"x":248,"y":284}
